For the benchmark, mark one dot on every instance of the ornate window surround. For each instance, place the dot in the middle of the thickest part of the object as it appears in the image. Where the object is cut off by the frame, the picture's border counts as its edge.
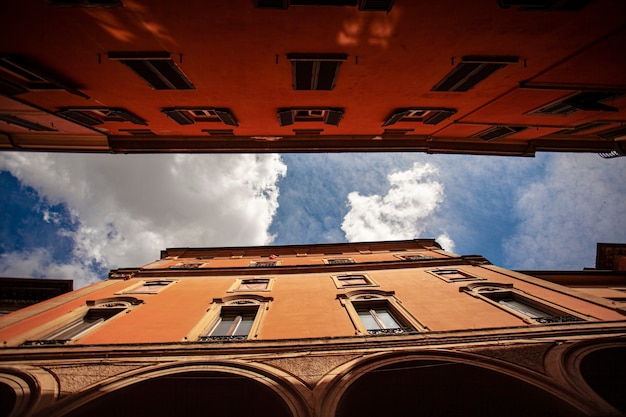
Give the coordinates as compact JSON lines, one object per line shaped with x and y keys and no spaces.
{"x":44,"y":335}
{"x":133,"y":289}
{"x":394,"y":305}
{"x":211,"y":318}
{"x":559,"y":314}
{"x":239,"y":281}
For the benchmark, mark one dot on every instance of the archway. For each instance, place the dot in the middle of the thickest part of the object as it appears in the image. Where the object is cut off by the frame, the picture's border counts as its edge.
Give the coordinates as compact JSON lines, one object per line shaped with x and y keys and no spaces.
{"x":431,"y":387}
{"x":189,"y":393}
{"x":604,"y":370}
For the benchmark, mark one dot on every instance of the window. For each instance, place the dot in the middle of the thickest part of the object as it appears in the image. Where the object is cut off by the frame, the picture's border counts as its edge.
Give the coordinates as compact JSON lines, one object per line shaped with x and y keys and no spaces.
{"x":428,"y":116}
{"x":26,"y":124}
{"x":234,"y":323}
{"x":454,"y":275}
{"x":498,"y":132}
{"x":98,"y":115}
{"x":156,"y":68}
{"x":588,"y":100}
{"x":471,"y":71}
{"x":97,"y":312}
{"x":186,"y":265}
{"x":252,"y":285}
{"x":315,"y":72}
{"x":148,"y":287}
{"x":327,"y":116}
{"x":338,"y":261}
{"x":415,"y":257}
{"x":18,"y":75}
{"x":530,"y":308}
{"x":378,"y":312}
{"x":231,"y":318}
{"x":264,"y":264}
{"x":191,"y":115}
{"x":353,"y":280}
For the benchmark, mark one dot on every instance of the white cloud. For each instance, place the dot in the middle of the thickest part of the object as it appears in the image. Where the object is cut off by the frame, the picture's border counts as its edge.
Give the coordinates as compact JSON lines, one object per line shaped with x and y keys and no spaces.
{"x":131,"y":207}
{"x":403,"y":213}
{"x":579,"y":202}
{"x":39,"y":263}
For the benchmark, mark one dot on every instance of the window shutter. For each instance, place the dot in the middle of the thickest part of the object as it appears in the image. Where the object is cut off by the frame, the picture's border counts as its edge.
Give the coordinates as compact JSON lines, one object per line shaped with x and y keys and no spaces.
{"x":471,"y":71}
{"x":285,"y":117}
{"x":128,"y":116}
{"x":80,"y":117}
{"x":333,"y":117}
{"x":441,"y":115}
{"x":178,"y":116}
{"x":395,"y":117}
{"x":226,"y":117}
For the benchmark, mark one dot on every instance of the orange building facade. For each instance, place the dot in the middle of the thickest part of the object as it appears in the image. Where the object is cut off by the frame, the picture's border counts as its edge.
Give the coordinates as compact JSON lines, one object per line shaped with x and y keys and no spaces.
{"x":497,"y":77}
{"x":349,"y":329}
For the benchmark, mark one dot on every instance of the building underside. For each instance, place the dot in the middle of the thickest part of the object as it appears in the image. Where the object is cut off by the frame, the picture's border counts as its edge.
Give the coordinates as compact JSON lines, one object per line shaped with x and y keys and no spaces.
{"x":483,"y":77}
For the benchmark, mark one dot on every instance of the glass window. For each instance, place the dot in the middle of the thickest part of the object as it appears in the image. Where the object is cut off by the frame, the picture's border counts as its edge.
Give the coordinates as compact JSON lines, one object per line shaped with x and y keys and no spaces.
{"x":377,"y":318}
{"x":255,"y":284}
{"x":233,"y":324}
{"x":149,"y":287}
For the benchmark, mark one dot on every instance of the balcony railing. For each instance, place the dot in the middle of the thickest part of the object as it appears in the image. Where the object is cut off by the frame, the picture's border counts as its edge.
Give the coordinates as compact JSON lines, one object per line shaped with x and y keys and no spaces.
{"x":391,"y":331}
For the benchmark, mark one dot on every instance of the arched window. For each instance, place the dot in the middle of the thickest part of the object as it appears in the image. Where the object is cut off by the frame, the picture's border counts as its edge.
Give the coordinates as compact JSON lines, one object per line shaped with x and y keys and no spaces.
{"x":84,"y":320}
{"x":528,"y":307}
{"x":231,"y":318}
{"x":378,"y":312}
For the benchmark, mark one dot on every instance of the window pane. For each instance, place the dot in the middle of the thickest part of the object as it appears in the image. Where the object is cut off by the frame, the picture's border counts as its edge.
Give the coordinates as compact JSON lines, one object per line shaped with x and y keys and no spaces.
{"x":368,"y":320}
{"x":386,"y":319}
{"x":254,"y":284}
{"x":244,"y":326}
{"x":224,"y":326}
{"x":525,"y":309}
{"x":352,"y":280}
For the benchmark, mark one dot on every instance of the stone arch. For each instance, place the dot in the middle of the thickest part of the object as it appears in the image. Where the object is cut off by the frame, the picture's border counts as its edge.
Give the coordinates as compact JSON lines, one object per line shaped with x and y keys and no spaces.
{"x":441,"y":383}
{"x":597,"y":369}
{"x":25,"y":389}
{"x":190,"y":388}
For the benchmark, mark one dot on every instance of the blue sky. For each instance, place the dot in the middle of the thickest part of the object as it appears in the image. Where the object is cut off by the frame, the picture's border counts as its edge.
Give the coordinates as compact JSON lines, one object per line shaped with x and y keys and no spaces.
{"x":78,"y":215}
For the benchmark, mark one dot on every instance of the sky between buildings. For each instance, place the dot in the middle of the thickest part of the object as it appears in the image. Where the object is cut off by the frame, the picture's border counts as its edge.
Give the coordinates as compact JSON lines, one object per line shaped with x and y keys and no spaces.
{"x":78,"y":215}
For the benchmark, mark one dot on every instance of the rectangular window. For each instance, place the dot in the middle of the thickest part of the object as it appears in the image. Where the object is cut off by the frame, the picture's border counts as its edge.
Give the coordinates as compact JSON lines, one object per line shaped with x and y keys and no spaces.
{"x":338,"y":261}
{"x":184,"y":265}
{"x":315,"y":72}
{"x":96,"y":116}
{"x":191,"y":115}
{"x":588,"y":100}
{"x":263,"y":264}
{"x":233,"y":324}
{"x":26,"y":124}
{"x":471,"y":71}
{"x":254,"y":284}
{"x":429,"y":116}
{"x":155,"y":68}
{"x":415,"y":257}
{"x":327,"y":116}
{"x":18,"y":75}
{"x":149,"y":287}
{"x":94,"y":317}
{"x":528,"y":308}
{"x":454,"y":275}
{"x":352,"y":280}
{"x":498,"y":132}
{"x":377,"y":318}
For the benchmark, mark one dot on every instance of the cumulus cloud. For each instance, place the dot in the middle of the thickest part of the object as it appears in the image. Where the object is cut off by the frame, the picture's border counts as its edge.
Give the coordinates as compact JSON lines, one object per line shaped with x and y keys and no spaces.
{"x":39,"y":263}
{"x":403,"y":212}
{"x":579,"y":202}
{"x":129,"y":207}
